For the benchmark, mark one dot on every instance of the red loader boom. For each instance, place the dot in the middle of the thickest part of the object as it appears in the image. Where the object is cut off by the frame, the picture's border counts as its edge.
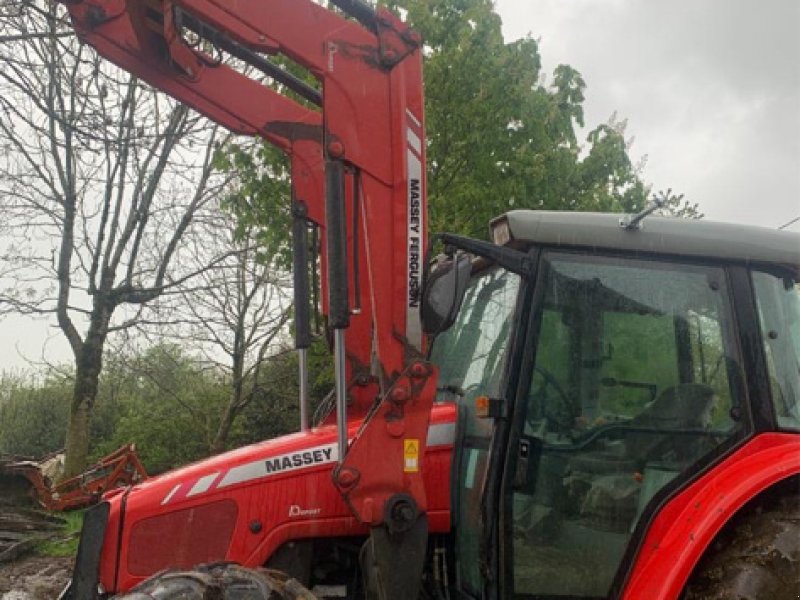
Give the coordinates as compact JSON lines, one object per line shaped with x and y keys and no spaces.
{"x":362,"y":132}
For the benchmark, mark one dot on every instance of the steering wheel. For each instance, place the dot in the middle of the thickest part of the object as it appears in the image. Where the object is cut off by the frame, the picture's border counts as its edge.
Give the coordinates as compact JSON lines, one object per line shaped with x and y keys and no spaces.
{"x":558,"y":412}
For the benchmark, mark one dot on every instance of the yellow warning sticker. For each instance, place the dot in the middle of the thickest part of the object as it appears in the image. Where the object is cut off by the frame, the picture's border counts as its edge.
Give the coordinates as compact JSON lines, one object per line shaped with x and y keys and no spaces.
{"x":411,"y":456}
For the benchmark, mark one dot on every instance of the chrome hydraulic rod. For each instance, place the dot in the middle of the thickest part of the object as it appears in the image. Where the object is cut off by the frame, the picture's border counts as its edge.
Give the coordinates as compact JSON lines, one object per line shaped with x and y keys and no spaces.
{"x":302,"y":355}
{"x":341,"y":392}
{"x":301,"y":301}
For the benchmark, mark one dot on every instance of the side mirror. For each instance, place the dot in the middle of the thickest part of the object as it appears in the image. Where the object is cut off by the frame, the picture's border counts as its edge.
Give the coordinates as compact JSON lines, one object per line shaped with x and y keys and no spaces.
{"x":444,"y":292}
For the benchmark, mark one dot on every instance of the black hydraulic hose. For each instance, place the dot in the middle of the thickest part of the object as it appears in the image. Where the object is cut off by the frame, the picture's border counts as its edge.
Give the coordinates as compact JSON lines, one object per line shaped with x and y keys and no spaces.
{"x":360,"y":11}
{"x":223,"y":42}
{"x":336,"y":232}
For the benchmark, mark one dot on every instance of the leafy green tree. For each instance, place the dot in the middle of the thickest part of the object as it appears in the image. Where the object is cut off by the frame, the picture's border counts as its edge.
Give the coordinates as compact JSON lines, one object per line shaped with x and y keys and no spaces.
{"x":498,"y":138}
{"x":167,"y":404}
{"x":95,"y":193}
{"x":163,"y":399}
{"x":262,"y":199}
{"x":33,"y":414}
{"x":275,"y":410}
{"x":170,"y":404}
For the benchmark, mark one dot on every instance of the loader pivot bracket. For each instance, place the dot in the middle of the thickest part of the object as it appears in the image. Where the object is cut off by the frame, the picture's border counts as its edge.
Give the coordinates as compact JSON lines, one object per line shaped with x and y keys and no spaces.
{"x":401,"y":513}
{"x":395,"y":39}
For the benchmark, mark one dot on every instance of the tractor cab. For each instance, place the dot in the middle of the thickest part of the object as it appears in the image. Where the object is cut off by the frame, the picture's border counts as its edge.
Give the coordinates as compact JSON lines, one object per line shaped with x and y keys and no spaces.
{"x":602,"y":379}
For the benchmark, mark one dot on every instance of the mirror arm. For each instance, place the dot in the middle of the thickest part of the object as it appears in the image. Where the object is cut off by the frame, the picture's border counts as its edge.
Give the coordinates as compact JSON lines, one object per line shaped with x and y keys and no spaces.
{"x":508,"y":258}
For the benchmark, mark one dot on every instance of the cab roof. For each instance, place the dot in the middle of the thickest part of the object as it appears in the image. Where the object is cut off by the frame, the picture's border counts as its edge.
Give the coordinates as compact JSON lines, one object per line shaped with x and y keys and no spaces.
{"x":655,"y":235}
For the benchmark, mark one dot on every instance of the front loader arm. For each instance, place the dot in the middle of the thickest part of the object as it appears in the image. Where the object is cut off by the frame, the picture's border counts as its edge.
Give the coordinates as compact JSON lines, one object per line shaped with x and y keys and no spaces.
{"x":358,"y":167}
{"x":141,"y":39}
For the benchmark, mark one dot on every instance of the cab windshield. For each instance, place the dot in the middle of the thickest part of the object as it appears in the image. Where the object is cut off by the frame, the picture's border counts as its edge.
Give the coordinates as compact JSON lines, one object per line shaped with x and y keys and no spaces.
{"x":471,"y":356}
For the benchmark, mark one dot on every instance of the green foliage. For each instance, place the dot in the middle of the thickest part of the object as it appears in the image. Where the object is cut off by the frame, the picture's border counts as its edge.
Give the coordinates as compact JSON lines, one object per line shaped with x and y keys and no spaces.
{"x":33,"y":414}
{"x":163,"y":400}
{"x":168,"y":405}
{"x":275,"y":408}
{"x":642,"y":349}
{"x":498,"y":137}
{"x":171,"y":405}
{"x":262,"y":200}
{"x":677,"y":206}
{"x":66,"y":542}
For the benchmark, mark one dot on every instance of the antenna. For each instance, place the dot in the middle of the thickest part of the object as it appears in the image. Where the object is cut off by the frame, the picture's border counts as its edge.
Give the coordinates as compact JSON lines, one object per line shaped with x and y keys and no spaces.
{"x":633,"y":223}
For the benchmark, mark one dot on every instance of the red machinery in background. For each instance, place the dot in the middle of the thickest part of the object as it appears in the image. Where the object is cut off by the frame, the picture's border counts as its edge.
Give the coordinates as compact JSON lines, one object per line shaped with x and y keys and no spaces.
{"x":121,"y":468}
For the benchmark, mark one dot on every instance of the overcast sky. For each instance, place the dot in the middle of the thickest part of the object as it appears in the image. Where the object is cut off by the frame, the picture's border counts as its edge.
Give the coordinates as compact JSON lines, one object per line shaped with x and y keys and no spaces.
{"x":710,"y":88}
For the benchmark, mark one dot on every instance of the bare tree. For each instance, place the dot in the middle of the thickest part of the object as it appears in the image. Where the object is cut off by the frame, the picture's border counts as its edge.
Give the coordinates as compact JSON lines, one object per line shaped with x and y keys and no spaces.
{"x":101,"y":183}
{"x":235,"y":314}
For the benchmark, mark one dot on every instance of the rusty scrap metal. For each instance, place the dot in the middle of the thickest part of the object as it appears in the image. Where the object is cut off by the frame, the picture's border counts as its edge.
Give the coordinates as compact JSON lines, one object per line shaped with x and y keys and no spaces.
{"x":120,"y":468}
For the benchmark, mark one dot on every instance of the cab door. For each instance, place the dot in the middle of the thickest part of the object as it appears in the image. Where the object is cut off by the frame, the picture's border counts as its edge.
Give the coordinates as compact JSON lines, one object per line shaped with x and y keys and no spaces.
{"x":632,"y":382}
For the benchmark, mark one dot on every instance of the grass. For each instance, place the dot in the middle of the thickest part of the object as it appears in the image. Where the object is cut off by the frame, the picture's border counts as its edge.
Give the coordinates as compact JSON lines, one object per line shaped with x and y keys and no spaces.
{"x":65,"y":542}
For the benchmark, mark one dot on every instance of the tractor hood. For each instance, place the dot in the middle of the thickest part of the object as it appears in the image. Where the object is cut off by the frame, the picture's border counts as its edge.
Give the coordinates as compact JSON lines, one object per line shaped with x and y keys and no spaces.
{"x":242,"y":505}
{"x":241,"y":466}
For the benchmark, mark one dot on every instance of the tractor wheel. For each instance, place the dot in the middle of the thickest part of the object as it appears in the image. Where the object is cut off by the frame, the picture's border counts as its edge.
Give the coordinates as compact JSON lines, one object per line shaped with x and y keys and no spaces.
{"x":218,"y":582}
{"x":757,"y":557}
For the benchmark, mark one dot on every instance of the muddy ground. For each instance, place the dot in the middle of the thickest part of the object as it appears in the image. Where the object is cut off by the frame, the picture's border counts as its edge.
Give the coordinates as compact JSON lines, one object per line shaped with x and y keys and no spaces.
{"x":34,"y":578}
{"x":23,"y":574}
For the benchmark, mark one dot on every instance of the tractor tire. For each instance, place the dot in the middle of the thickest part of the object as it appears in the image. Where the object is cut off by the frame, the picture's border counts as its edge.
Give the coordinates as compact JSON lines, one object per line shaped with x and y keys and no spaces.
{"x":757,"y":557}
{"x":221,"y":581}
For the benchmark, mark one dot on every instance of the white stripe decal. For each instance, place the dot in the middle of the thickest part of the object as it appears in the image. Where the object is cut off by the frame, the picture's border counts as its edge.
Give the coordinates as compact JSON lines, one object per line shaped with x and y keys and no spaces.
{"x":169,"y":496}
{"x":284,"y":463}
{"x":202,"y":484}
{"x":414,"y":141}
{"x":413,"y":118}
{"x":416,"y":227}
{"x":441,"y":434}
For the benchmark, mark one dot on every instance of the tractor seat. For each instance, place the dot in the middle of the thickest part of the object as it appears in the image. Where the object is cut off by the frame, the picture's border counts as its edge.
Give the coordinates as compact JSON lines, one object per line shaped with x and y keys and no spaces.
{"x":603,"y":482}
{"x":679,"y":407}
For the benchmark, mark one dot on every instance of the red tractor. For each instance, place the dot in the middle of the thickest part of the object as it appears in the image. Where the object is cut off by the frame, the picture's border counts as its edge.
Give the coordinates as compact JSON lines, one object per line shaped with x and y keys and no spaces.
{"x":589,"y":407}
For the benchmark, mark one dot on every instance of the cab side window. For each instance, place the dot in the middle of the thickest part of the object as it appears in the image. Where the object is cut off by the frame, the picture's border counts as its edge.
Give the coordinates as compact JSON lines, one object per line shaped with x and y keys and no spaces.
{"x":778,"y":300}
